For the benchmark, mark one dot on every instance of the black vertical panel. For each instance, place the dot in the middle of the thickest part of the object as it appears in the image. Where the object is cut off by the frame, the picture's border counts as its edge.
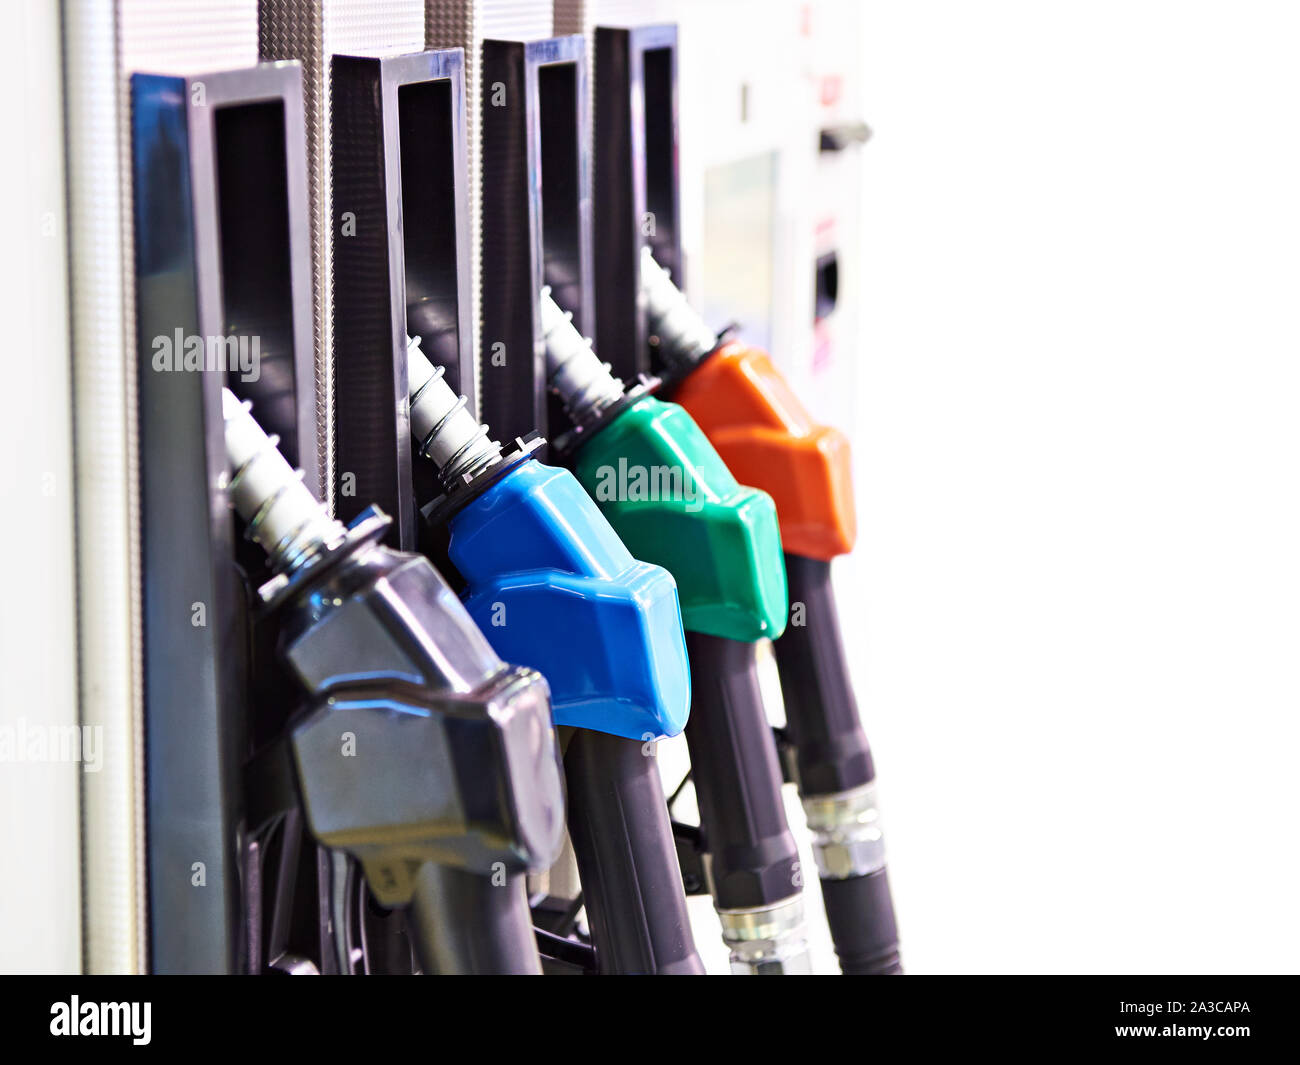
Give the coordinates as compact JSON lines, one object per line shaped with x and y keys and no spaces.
{"x":435,"y":226}
{"x":512,"y":361}
{"x":561,"y":191}
{"x":429,"y":224}
{"x":253,"y":226}
{"x":536,"y":220}
{"x":371,"y":463}
{"x":620,"y":328}
{"x":659,"y":107}
{"x":635,"y":187}
{"x":401,"y":266}
{"x":566,"y":239}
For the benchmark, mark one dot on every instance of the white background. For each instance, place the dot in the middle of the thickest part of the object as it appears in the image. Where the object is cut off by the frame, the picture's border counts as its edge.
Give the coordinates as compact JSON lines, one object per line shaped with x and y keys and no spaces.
{"x":1075,"y":602}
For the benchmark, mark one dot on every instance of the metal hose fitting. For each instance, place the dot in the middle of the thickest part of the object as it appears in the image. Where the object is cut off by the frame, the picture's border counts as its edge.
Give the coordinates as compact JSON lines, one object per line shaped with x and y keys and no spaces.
{"x":445,"y":431}
{"x":583,"y":383}
{"x":768,"y":940}
{"x":684,"y":336}
{"x":281,"y":514}
{"x":846,"y":834}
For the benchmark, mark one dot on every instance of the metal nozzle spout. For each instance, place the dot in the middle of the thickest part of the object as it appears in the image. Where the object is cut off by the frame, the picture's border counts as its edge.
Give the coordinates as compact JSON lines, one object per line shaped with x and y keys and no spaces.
{"x":446,"y":433}
{"x":282,"y":515}
{"x":583,"y":383}
{"x":684,"y":337}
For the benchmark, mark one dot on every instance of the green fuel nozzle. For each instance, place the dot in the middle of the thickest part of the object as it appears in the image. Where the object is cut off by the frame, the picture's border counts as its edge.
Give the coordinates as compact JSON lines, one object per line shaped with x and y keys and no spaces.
{"x":667,"y":492}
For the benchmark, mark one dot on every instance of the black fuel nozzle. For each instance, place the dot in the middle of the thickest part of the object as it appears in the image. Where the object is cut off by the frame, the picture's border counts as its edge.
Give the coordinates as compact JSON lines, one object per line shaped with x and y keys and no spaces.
{"x":418,"y":751}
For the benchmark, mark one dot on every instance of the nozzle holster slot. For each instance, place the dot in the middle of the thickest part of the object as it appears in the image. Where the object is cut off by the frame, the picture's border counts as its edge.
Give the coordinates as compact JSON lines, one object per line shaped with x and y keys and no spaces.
{"x":223,"y":298}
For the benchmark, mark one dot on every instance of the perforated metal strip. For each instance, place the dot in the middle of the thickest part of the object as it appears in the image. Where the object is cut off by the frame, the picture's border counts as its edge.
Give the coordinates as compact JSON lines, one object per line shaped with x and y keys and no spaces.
{"x":516,"y":20}
{"x":458,"y":24}
{"x":579,"y":16}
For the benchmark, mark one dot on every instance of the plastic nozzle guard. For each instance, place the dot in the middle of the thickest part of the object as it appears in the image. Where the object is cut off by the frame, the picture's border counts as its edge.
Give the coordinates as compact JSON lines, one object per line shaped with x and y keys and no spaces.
{"x":553,"y":586}
{"x":768,"y":439}
{"x":674,"y":501}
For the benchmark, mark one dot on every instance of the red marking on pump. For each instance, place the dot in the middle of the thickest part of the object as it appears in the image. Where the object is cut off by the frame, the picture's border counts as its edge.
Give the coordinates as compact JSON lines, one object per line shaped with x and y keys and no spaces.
{"x":823,"y":349}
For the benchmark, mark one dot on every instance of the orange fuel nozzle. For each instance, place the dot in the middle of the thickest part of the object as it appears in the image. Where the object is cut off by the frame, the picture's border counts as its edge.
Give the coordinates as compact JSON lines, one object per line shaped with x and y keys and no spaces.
{"x":770,"y":441}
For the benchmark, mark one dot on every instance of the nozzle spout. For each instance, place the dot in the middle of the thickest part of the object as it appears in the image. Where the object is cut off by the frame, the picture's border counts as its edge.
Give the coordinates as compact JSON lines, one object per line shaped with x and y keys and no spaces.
{"x":445,"y":431}
{"x":684,"y":337}
{"x":583,"y":383}
{"x":282,"y":515}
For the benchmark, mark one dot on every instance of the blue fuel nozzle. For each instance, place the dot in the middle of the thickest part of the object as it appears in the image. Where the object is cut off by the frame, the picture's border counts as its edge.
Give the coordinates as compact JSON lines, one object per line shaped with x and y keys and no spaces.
{"x":549,"y":581}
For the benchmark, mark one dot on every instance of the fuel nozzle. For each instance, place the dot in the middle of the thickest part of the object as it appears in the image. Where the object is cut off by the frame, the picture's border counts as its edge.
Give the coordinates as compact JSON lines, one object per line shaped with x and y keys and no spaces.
{"x":548,"y":580}
{"x":669,"y":495}
{"x":419,"y":752}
